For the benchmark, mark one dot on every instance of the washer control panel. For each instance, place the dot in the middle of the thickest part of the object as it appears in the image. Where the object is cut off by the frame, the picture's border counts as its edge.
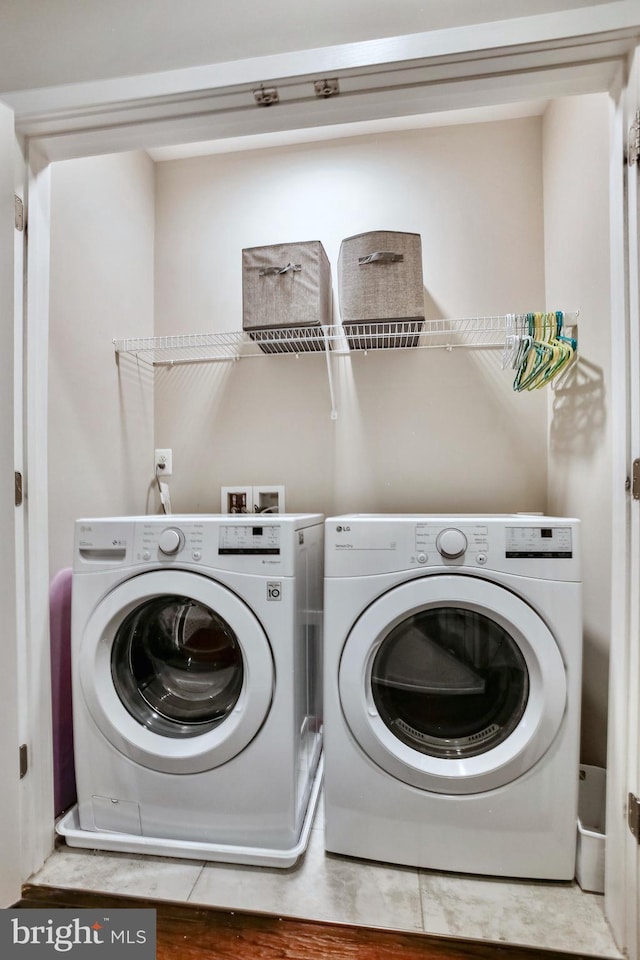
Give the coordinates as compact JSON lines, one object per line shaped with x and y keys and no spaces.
{"x":267,"y":546}
{"x":155,"y":541}
{"x":171,"y":541}
{"x":247,"y":539}
{"x":451,"y":543}
{"x":552,"y":543}
{"x":187,"y":540}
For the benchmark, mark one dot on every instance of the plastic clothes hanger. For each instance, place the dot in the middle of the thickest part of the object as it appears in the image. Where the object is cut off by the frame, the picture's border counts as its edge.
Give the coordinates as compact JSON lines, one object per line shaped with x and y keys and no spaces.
{"x":552,"y":352}
{"x":539,"y":355}
{"x":564,"y":350}
{"x":512,"y":342}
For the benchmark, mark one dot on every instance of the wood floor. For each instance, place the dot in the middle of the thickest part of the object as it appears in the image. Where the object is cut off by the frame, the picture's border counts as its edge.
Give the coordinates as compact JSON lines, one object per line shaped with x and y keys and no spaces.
{"x":195,"y":933}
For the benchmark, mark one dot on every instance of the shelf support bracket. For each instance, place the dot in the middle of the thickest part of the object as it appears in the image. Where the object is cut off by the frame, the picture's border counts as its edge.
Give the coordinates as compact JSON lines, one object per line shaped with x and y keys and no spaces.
{"x":327,"y":353}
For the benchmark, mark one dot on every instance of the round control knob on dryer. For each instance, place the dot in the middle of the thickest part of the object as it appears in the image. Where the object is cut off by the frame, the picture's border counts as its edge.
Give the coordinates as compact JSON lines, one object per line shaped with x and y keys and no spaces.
{"x":451,"y":543}
{"x":170,"y":541}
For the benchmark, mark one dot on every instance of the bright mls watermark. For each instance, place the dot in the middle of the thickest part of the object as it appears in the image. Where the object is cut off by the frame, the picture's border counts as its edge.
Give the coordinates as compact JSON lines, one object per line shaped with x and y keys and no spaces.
{"x":78,"y":934}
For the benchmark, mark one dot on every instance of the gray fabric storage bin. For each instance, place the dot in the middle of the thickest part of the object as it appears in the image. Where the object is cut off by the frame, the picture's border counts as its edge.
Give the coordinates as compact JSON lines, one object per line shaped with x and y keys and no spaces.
{"x":380,"y":282}
{"x":286,"y":296}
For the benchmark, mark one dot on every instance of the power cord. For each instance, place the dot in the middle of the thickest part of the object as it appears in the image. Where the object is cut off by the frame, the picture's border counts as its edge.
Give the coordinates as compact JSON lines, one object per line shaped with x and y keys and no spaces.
{"x":159,"y":467}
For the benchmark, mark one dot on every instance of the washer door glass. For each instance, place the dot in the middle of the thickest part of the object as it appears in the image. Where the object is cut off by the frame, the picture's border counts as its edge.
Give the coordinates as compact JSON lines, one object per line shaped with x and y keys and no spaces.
{"x":176,"y":671}
{"x":177,"y":666}
{"x":450,"y":682}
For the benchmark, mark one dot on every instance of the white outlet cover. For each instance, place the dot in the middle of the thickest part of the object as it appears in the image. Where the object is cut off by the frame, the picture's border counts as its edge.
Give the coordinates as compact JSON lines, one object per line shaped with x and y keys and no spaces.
{"x":164,"y":461}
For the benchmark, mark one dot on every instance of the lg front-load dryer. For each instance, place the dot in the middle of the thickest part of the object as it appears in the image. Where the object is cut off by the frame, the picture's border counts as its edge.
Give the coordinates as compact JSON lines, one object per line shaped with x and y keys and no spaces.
{"x":196,"y":645}
{"x":453,"y":654}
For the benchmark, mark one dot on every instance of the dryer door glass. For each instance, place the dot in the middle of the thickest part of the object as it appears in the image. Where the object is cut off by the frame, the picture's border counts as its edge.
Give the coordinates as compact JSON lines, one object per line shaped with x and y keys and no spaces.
{"x":450,"y":682}
{"x":177,"y":666}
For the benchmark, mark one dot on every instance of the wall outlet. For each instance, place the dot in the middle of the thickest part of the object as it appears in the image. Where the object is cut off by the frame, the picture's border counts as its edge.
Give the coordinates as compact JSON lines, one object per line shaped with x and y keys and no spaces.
{"x":163,"y":462}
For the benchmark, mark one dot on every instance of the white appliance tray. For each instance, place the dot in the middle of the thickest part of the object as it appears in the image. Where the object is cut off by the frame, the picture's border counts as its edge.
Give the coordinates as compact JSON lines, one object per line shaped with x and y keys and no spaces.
{"x":69,"y":828}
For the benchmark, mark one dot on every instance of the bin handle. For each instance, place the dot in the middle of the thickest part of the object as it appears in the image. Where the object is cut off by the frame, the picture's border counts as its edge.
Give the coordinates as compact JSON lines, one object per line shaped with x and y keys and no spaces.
{"x":381,"y":256}
{"x":268,"y":271}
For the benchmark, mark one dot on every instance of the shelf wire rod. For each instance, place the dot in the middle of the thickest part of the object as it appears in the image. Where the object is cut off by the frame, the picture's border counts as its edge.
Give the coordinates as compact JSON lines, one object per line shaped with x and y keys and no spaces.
{"x":327,"y":353}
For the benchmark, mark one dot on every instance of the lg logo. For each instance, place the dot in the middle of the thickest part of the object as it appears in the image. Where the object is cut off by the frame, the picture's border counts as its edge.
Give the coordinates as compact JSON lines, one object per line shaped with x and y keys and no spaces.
{"x":343,"y":529}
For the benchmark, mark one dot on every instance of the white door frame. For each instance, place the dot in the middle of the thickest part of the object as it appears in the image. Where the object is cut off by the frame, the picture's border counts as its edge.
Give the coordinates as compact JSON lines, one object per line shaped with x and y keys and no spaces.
{"x":620,"y":893}
{"x":10,"y":875}
{"x":37,"y":797}
{"x":569,"y":52}
{"x":625,"y":690}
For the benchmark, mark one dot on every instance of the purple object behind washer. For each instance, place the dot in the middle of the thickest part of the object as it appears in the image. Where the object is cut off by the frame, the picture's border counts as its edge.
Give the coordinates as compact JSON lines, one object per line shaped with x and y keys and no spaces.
{"x":64,"y":775}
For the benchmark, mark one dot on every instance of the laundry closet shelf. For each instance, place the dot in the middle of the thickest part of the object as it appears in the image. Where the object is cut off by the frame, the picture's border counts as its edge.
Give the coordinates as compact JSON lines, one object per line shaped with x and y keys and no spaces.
{"x":476,"y":332}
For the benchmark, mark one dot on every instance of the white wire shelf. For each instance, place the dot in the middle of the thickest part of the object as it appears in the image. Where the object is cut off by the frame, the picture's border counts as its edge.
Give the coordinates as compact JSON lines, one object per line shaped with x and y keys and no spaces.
{"x":476,"y":332}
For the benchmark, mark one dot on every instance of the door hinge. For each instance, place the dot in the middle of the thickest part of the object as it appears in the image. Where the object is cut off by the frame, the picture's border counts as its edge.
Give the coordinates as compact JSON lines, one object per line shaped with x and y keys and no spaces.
{"x":633,"y":142}
{"x":18,"y":489}
{"x":633,"y":815}
{"x":19,"y":213}
{"x":635,"y":480}
{"x":24,"y":760}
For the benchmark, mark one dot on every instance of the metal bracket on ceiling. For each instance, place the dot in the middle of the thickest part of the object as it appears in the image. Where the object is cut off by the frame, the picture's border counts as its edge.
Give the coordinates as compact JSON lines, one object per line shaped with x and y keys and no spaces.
{"x":265,"y":96}
{"x":326,"y":88}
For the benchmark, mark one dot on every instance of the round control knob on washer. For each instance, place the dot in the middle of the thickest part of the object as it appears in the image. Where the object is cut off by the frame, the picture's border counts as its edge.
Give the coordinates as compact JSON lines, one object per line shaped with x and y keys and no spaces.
{"x":171,"y":540}
{"x":451,"y":543}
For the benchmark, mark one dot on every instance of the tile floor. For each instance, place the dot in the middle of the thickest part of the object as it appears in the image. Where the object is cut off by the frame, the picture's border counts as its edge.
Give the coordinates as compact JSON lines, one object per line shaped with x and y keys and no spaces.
{"x":321,"y":886}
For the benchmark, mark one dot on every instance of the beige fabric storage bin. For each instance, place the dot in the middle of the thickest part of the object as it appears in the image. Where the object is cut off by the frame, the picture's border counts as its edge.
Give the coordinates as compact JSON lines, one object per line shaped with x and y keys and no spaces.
{"x":380,"y":286}
{"x":286,"y":296}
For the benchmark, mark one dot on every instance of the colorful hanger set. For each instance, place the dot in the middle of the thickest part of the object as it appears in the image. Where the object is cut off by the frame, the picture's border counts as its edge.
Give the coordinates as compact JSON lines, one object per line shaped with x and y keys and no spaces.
{"x":537,"y":348}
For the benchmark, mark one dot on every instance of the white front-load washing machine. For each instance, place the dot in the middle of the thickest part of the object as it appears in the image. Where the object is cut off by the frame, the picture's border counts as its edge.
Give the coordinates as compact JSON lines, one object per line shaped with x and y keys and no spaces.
{"x":453,"y":652}
{"x":196,"y":649}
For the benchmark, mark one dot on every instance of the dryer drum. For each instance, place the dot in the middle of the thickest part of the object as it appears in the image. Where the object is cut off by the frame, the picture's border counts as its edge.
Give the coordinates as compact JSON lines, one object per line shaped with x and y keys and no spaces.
{"x":177,"y":666}
{"x":450,"y":682}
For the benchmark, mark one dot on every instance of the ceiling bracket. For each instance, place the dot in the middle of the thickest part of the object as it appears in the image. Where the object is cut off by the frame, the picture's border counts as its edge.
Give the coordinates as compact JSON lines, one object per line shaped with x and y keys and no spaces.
{"x":326,"y":88}
{"x":265,"y":96}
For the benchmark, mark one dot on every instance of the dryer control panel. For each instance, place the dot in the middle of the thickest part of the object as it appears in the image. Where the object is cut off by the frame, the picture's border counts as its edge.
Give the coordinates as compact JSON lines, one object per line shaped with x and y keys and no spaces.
{"x":528,"y":545}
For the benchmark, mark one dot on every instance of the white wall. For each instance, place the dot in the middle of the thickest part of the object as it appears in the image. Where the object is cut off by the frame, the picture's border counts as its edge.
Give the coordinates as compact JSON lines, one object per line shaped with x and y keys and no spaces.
{"x":100,"y":417}
{"x":577,"y":274}
{"x":417,"y":430}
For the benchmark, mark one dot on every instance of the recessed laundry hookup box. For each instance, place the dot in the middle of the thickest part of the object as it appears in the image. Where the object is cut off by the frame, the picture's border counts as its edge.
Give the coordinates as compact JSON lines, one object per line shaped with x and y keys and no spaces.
{"x":286,"y":296}
{"x":591,"y":828}
{"x":381,"y":289}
